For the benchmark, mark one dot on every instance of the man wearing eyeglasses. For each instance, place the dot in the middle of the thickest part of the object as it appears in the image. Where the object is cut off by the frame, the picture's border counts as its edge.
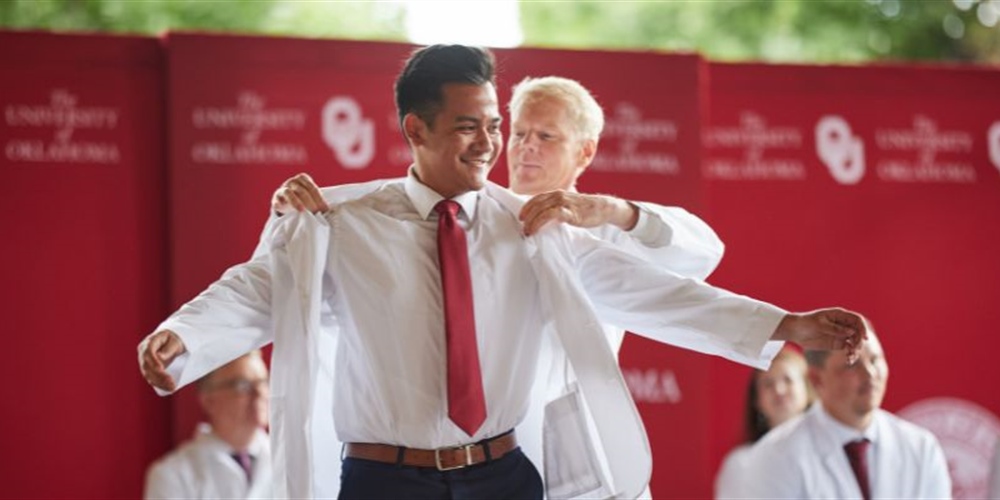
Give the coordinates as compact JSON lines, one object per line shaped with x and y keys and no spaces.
{"x":230,"y":456}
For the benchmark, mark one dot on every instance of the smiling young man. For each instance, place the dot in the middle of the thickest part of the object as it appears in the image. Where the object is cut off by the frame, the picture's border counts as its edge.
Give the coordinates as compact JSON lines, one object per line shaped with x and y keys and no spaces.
{"x":439,"y":305}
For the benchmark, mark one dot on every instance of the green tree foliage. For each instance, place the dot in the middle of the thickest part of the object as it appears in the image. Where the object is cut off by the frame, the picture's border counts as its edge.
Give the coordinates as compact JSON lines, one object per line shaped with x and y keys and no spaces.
{"x":356,"y":20}
{"x":779,"y":30}
{"x":769,"y":30}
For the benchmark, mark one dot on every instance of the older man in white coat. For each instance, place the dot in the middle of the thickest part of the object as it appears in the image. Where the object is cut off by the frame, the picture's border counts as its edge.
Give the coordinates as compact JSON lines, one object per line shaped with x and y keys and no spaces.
{"x":845,"y":446}
{"x":230,"y":456}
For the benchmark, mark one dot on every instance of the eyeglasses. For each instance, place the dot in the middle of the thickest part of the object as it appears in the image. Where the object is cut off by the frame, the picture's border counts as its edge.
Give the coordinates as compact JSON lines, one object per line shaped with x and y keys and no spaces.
{"x":242,"y":385}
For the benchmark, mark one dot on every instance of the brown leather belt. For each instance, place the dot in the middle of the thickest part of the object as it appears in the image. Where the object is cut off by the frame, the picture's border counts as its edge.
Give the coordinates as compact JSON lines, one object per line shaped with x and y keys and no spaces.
{"x":442,"y":458}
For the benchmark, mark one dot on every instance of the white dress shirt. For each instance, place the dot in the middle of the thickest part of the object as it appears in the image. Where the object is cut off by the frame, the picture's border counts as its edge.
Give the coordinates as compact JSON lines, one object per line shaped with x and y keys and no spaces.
{"x":385,"y":291}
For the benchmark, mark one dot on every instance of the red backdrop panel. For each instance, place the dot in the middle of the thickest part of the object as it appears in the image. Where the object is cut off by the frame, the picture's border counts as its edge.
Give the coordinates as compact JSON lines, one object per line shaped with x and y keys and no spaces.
{"x":81,"y":177}
{"x":872,"y":188}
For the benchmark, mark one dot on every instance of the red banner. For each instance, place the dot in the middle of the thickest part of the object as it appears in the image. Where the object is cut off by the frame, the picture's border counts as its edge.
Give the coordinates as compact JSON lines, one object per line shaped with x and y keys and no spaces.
{"x":871,"y":188}
{"x":84,"y":258}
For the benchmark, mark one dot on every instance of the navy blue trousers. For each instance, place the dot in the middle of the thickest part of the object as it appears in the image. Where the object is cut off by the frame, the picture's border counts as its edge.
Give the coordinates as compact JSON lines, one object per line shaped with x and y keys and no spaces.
{"x":511,"y":476}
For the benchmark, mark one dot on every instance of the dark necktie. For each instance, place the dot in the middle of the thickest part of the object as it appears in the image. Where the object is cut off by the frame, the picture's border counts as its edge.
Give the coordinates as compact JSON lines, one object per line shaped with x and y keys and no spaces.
{"x":466,"y":403}
{"x":246,"y":463}
{"x":857,"y":454}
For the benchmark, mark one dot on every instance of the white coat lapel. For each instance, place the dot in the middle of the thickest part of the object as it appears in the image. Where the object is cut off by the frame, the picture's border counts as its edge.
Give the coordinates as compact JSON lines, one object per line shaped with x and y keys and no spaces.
{"x":298,"y":257}
{"x":889,"y":471}
{"x":837,"y":480}
{"x":615,"y":417}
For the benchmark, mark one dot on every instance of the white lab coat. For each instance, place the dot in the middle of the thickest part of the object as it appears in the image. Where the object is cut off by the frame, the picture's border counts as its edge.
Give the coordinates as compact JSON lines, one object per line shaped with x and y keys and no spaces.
{"x":803,"y":458}
{"x":731,"y":476}
{"x":204,"y":468}
{"x":590,"y":422}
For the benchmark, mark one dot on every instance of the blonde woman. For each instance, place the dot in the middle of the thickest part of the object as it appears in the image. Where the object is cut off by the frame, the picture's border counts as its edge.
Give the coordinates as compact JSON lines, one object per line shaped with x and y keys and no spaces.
{"x":773,"y":397}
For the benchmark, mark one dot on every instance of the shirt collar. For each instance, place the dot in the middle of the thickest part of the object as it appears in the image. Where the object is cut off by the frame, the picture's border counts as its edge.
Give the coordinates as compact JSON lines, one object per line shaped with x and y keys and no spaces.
{"x":424,"y":198}
{"x":845,"y":433}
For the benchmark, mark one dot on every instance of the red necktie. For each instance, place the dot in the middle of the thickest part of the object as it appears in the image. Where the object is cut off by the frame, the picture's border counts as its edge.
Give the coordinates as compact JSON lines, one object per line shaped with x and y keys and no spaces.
{"x":857,"y":455}
{"x":466,"y":403}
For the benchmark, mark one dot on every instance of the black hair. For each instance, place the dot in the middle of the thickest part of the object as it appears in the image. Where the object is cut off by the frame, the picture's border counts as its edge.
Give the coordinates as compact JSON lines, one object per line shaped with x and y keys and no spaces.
{"x":419,"y":85}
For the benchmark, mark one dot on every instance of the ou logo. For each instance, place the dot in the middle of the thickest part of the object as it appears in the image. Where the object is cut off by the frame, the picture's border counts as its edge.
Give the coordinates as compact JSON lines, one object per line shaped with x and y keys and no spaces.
{"x":842,"y":152}
{"x":993,"y":139}
{"x":348,"y":133}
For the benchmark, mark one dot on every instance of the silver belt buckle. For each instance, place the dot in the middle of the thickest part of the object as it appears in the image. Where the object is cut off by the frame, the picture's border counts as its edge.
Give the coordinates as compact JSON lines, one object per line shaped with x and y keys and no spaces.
{"x":468,"y":457}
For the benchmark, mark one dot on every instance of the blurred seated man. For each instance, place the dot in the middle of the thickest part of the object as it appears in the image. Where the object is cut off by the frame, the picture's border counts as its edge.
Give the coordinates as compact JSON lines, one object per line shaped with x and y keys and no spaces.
{"x":774,"y":397}
{"x":230,"y":457}
{"x":845,"y":446}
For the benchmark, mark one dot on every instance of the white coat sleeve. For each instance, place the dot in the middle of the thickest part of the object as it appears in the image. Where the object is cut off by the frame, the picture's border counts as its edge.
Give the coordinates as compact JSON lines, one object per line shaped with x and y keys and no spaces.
{"x":655,"y":302}
{"x":670,"y":237}
{"x":230,"y":318}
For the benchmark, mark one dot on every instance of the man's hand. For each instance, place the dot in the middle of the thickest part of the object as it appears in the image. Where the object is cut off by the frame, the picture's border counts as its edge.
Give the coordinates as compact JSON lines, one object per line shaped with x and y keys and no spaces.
{"x":298,"y":193}
{"x":156,"y":352}
{"x":825,"y":330}
{"x":581,"y":210}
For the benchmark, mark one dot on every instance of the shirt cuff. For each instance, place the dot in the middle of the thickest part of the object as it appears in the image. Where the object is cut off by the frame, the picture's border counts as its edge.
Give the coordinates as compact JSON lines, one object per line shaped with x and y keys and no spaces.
{"x":649,"y":229}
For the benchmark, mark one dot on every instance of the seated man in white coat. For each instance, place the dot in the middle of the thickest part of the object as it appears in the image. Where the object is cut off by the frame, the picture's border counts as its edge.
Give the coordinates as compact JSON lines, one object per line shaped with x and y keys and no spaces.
{"x":230,"y":457}
{"x":845,"y":446}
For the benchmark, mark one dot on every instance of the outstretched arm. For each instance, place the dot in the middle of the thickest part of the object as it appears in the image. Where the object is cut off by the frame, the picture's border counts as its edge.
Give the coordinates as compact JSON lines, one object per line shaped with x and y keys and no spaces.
{"x":229,"y":318}
{"x":631,"y":293}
